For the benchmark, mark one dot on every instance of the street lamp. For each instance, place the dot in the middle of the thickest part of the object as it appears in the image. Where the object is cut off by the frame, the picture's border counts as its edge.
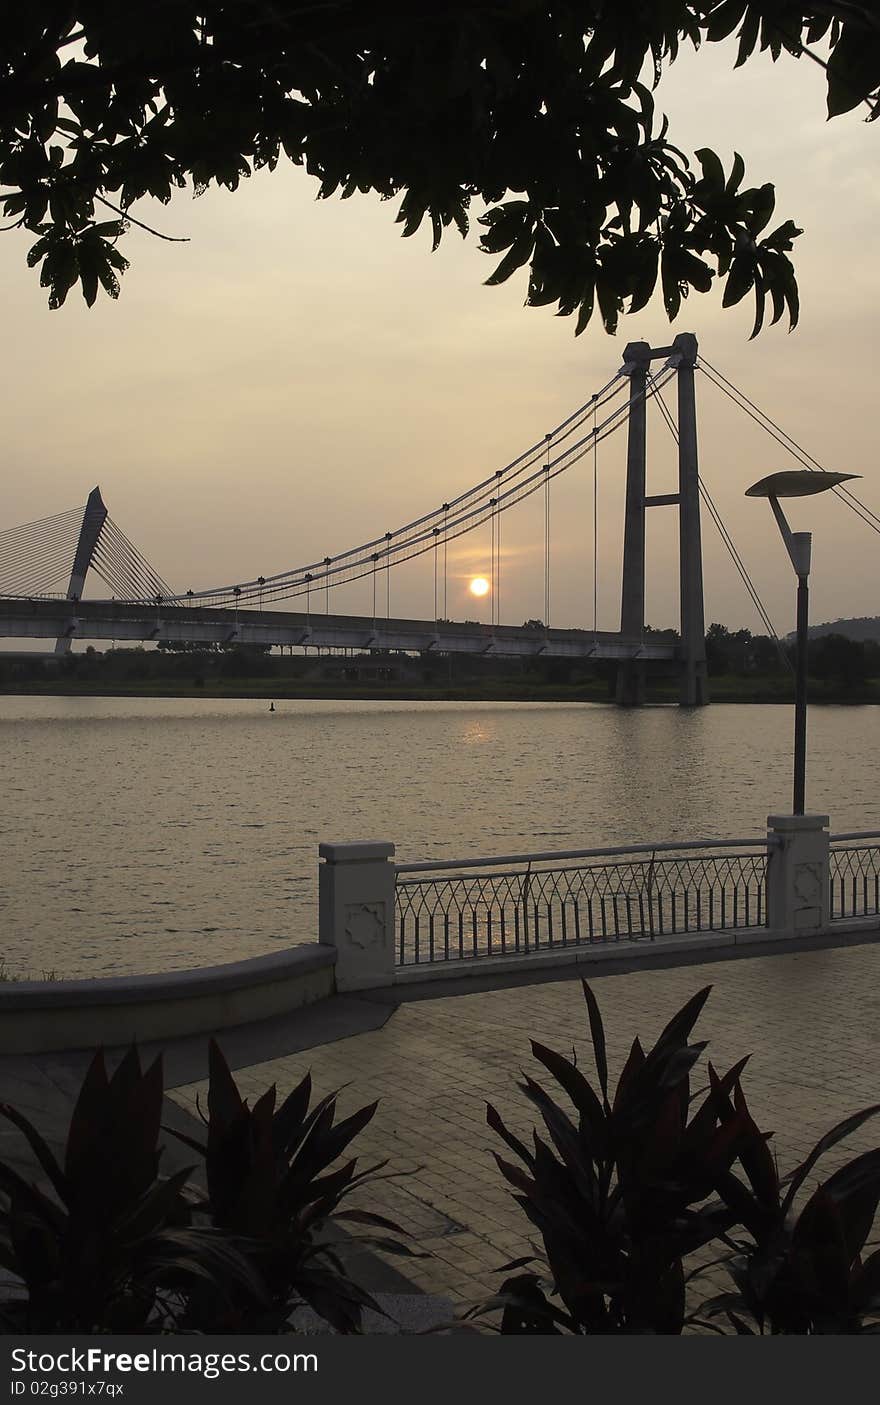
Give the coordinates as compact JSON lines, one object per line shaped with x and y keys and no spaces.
{"x":798,"y":483}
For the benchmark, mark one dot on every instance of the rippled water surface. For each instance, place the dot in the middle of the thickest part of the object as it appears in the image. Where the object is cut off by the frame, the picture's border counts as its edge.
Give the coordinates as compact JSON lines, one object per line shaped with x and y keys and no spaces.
{"x":153,"y":834}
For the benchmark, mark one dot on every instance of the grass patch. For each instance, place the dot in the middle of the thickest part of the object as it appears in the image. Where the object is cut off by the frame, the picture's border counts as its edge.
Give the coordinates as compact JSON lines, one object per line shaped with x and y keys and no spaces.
{"x":12,"y":976}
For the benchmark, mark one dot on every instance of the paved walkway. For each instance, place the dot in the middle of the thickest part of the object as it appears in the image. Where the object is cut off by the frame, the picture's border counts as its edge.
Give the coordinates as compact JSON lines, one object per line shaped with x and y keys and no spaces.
{"x":44,"y":1087}
{"x":810,"y":1018}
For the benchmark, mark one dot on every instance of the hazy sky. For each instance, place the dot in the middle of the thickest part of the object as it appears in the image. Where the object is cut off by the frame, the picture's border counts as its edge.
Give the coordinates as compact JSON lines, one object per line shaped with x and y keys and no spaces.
{"x":299,"y":379}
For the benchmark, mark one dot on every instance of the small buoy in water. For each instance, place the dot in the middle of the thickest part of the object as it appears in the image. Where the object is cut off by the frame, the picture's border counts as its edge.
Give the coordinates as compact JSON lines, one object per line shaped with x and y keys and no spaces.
{"x":271,"y":707}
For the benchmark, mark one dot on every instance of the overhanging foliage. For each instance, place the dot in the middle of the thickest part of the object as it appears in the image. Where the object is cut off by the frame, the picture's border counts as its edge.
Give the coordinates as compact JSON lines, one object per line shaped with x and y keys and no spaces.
{"x":541,"y":112}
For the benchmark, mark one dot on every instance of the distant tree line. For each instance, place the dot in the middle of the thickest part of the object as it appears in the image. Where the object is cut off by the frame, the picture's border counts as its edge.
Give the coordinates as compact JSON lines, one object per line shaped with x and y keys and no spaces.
{"x":132,"y":666}
{"x":833,"y":658}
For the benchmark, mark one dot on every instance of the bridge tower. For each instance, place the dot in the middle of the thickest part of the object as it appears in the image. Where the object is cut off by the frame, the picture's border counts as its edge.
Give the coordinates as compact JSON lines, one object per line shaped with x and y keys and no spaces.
{"x":93,"y":521}
{"x":637,"y":358}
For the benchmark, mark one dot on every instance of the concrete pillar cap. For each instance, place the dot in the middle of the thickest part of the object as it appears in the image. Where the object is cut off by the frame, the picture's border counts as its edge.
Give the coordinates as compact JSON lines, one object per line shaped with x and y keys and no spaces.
{"x":356,"y":853}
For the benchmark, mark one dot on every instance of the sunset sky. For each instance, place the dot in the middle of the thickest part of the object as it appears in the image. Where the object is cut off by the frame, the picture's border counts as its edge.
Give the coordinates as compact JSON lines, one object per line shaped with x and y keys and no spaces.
{"x":298,"y":379}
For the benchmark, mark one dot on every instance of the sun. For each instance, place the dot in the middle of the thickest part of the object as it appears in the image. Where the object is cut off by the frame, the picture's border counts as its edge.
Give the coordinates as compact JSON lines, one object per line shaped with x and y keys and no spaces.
{"x":479,"y":586}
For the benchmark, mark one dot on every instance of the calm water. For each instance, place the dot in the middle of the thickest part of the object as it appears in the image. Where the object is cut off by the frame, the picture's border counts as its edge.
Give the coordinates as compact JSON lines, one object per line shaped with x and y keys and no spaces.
{"x":154,"y":834}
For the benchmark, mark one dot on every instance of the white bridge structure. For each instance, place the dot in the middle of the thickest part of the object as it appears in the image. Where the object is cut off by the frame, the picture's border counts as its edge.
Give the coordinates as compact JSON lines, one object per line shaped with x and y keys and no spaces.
{"x":116,"y":620}
{"x":44,"y":565}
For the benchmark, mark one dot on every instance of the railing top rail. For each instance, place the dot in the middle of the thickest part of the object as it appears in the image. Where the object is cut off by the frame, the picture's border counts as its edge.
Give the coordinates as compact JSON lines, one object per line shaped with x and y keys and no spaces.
{"x":855,"y":834}
{"x":763,"y":841}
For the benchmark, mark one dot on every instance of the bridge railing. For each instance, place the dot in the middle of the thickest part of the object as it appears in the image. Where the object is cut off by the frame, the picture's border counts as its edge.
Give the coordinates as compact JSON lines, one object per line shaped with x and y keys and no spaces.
{"x":400,"y":921}
{"x":855,"y":874}
{"x":516,"y":905}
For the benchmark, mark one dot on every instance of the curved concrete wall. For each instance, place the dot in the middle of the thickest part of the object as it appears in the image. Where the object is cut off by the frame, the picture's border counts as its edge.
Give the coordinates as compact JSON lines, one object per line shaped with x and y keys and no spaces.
{"x":41,"y":1016}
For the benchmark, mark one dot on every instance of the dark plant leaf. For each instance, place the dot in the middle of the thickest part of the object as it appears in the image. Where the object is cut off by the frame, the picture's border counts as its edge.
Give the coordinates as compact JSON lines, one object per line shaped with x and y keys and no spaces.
{"x":597,"y":1033}
{"x":38,"y":1145}
{"x":830,"y":1139}
{"x":494,"y":1120}
{"x":578,"y":1089}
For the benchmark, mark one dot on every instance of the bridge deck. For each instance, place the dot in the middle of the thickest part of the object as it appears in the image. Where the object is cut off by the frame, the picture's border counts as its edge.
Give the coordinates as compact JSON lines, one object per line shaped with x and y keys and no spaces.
{"x":115,"y":620}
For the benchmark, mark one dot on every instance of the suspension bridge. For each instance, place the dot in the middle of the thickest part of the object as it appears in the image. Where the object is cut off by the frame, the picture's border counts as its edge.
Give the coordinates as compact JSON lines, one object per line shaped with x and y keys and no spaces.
{"x":44,"y":565}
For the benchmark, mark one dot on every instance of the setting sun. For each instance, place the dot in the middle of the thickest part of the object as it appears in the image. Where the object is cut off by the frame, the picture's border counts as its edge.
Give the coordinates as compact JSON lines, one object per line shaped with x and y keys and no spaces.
{"x":479,"y":586}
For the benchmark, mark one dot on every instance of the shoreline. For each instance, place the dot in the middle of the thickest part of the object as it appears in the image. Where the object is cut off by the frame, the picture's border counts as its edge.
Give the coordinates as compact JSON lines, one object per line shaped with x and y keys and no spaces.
{"x":512,"y":692}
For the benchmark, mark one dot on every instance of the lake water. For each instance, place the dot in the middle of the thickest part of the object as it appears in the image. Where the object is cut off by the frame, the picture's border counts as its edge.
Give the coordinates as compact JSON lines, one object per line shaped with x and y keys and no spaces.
{"x":154,"y":834}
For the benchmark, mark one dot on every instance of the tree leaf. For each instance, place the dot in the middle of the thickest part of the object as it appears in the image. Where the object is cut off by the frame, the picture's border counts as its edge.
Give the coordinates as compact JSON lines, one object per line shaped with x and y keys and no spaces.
{"x":739,"y":280}
{"x":853,"y":69}
{"x":737,"y":172}
{"x":519,"y":253}
{"x":713,"y":171}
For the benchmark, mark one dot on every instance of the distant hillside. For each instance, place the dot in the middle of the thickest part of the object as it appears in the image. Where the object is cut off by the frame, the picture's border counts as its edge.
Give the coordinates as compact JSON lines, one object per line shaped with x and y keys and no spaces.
{"x":867,"y":627}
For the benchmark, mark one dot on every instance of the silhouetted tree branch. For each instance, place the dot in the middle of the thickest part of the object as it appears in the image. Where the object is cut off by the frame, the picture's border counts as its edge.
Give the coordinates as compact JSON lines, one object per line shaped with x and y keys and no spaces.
{"x":539,"y":111}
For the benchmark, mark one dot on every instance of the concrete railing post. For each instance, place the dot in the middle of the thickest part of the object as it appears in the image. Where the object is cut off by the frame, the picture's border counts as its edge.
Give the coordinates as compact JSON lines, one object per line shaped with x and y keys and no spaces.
{"x":798,"y":874}
{"x":356,"y":912}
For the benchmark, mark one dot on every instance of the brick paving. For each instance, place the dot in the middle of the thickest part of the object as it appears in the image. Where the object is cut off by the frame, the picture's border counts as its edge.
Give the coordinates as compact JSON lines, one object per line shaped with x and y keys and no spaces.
{"x":811,"y":1019}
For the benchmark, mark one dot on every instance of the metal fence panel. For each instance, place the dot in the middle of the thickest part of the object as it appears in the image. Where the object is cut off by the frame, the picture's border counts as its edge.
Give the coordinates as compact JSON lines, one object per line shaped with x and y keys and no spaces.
{"x":855,"y":880}
{"x":445,"y":916}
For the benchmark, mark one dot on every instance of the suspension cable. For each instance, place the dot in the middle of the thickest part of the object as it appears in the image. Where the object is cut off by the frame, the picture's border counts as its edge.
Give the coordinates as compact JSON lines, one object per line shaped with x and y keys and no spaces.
{"x":282,"y":587}
{"x":128,"y":573}
{"x":497,"y":590}
{"x":37,"y":555}
{"x":547,"y":536}
{"x":729,"y":544}
{"x":157,"y":585}
{"x":492,"y":561}
{"x":289,"y":583}
{"x":445,"y":555}
{"x":785,"y":440}
{"x":595,"y":525}
{"x":725,"y":535}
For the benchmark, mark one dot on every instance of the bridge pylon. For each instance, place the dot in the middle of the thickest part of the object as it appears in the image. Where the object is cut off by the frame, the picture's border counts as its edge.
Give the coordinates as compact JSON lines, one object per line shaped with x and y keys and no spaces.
{"x":637,"y":358}
{"x":94,"y":517}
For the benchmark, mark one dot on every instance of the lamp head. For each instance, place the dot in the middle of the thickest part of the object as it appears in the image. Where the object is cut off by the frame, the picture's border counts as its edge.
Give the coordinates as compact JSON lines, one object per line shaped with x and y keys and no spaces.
{"x":797,"y":483}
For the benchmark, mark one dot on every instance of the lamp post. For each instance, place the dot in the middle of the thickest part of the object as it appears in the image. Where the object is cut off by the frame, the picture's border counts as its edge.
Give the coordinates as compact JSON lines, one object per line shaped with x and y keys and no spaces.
{"x":798,"y":483}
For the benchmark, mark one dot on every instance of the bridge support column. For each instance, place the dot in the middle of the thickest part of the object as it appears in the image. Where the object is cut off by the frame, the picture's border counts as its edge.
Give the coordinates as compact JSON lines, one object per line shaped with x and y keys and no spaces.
{"x":630,"y":686}
{"x":630,"y":690}
{"x":694,"y":688}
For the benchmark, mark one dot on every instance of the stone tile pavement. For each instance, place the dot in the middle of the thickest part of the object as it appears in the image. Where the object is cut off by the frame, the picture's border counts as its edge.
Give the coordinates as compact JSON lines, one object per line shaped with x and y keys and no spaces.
{"x":810,"y":1018}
